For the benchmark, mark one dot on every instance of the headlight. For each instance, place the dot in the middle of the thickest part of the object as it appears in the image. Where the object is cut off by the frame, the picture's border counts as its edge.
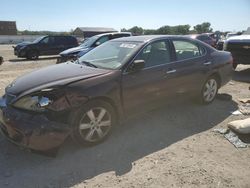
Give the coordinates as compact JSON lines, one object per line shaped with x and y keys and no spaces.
{"x":33,"y":103}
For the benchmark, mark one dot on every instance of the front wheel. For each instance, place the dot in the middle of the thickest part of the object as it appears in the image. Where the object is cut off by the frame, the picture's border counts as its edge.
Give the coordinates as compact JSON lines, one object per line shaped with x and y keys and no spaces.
{"x":32,"y":55}
{"x":93,"y":123}
{"x":209,"y":90}
{"x":1,"y":60}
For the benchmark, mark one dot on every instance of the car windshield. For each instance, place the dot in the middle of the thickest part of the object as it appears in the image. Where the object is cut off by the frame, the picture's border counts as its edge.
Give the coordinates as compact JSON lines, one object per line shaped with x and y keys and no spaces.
{"x":88,"y":42}
{"x":38,"y":39}
{"x":111,"y":55}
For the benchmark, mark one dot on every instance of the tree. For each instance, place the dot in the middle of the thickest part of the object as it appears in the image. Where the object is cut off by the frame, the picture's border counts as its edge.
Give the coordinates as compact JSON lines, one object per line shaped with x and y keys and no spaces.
{"x":124,"y":30}
{"x":165,"y":30}
{"x":174,"y":30}
{"x":181,"y":29}
{"x":203,"y":28}
{"x":149,"y":31}
{"x":135,"y":30}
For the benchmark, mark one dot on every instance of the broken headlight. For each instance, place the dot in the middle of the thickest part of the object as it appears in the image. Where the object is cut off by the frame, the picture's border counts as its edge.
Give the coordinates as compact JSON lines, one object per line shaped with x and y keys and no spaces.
{"x":33,"y":103}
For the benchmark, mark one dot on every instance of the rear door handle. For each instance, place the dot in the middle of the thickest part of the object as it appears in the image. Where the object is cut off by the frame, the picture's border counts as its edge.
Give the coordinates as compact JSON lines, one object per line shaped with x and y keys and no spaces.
{"x":171,"y":71}
{"x":208,"y":63}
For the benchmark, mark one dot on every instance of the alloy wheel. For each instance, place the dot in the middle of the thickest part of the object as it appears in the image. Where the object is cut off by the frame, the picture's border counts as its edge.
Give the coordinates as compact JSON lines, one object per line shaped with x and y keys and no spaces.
{"x":210,"y":90}
{"x":95,"y":124}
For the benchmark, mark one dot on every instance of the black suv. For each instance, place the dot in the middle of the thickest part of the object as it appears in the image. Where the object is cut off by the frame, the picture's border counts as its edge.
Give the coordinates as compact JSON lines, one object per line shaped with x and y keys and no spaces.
{"x":46,"y":45}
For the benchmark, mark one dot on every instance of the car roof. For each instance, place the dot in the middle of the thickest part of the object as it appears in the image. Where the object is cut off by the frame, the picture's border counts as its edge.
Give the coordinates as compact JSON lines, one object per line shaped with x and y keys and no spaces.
{"x":67,"y":36}
{"x":113,"y":33}
{"x":147,"y":38}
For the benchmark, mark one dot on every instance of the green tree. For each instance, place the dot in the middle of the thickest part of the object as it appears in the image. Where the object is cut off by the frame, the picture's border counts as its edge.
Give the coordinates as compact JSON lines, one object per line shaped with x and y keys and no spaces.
{"x":149,"y":31}
{"x":124,"y":30}
{"x":165,"y":30}
{"x":136,"y":30}
{"x":203,"y":28}
{"x":181,"y":29}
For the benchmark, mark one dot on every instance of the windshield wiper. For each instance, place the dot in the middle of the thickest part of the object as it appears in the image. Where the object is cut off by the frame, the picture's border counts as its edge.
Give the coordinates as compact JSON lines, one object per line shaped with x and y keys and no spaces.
{"x":77,"y":61}
{"x":87,"y":63}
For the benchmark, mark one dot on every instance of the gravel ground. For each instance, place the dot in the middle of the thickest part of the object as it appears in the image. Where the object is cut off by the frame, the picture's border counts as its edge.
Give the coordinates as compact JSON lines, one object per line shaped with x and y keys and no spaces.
{"x":172,"y":146}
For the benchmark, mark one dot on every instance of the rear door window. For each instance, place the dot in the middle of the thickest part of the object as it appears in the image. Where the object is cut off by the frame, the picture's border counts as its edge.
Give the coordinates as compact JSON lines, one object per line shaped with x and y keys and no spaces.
{"x":52,"y":40}
{"x":59,"y":40}
{"x":186,"y":50}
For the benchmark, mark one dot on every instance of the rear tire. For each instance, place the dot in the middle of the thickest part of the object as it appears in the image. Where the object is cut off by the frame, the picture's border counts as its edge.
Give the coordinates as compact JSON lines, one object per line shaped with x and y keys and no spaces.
{"x":32,"y":55}
{"x":209,"y":90}
{"x":92,"y":123}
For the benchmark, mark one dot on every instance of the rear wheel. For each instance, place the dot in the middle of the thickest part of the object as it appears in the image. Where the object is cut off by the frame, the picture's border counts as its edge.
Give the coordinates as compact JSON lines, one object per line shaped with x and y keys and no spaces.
{"x":32,"y":55}
{"x":93,"y":123}
{"x":209,"y":90}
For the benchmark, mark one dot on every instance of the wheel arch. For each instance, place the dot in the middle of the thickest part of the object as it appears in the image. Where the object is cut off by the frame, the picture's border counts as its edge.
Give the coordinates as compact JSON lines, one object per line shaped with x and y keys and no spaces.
{"x":32,"y":49}
{"x":218,"y":78}
{"x":111,"y":102}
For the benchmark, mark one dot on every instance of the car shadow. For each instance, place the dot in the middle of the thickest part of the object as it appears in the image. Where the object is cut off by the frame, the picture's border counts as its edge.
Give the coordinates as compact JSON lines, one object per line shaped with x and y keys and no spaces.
{"x":39,"y":59}
{"x":136,"y":138}
{"x":242,"y":75}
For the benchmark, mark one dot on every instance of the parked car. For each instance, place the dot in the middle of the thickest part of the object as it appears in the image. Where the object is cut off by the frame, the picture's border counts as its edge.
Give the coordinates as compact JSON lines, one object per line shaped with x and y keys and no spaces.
{"x":205,"y":38}
{"x":220,"y":43}
{"x":239,"y":46}
{"x":1,"y":60}
{"x":46,"y":45}
{"x":85,"y":99}
{"x":215,"y":36}
{"x":89,"y":44}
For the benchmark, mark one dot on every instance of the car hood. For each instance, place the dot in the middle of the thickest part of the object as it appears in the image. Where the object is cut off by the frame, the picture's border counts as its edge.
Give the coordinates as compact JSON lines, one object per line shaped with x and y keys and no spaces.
{"x":74,"y":50}
{"x":19,"y":45}
{"x":52,"y":76}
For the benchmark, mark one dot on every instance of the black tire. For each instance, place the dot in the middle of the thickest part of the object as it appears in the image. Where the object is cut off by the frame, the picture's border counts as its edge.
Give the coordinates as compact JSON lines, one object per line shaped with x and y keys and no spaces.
{"x":81,"y":117}
{"x":1,"y":60}
{"x":208,"y":95}
{"x":32,"y":55}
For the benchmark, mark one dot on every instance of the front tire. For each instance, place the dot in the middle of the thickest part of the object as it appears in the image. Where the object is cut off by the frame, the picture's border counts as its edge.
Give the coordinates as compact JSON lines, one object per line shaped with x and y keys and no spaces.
{"x":209,"y":90}
{"x":1,"y":60}
{"x":32,"y":55}
{"x":93,"y":123}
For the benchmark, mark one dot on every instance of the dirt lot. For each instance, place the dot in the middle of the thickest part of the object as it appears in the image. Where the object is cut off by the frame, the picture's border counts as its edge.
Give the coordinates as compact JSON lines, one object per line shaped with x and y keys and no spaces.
{"x":172,"y":146}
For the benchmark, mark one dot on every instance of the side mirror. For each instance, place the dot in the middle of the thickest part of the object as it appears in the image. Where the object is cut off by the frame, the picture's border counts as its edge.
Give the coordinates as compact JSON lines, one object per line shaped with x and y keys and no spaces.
{"x":137,"y":65}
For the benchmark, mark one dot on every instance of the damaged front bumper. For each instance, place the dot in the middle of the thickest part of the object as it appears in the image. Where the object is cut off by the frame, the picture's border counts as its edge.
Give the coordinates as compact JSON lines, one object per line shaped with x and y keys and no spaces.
{"x":33,"y":131}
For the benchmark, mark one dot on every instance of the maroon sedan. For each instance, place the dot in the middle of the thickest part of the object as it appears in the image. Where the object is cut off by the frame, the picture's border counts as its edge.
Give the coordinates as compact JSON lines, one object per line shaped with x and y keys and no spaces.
{"x":86,"y":98}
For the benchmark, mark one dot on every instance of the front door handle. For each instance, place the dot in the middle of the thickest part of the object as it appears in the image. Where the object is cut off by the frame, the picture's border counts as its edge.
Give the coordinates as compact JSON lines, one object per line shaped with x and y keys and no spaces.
{"x":208,"y":63}
{"x":171,"y":71}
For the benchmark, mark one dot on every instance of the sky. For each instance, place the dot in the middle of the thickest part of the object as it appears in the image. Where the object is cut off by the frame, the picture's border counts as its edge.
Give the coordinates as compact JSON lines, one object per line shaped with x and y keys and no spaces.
{"x":64,"y":15}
